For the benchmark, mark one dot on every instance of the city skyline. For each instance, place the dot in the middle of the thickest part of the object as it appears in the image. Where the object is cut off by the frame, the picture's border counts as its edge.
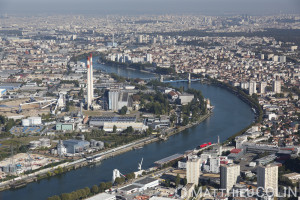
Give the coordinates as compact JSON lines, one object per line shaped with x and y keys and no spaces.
{"x":134,"y":7}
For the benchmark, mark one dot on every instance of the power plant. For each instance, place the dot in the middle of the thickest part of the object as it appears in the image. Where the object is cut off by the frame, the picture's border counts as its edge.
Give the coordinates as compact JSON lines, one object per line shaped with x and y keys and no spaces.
{"x":90,"y":83}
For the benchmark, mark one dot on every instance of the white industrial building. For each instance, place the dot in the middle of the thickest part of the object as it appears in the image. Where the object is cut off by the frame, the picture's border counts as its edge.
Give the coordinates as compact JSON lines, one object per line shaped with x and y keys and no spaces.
{"x":43,"y":142}
{"x":140,"y":185}
{"x":103,"y":196}
{"x":138,"y":126}
{"x":32,"y":121}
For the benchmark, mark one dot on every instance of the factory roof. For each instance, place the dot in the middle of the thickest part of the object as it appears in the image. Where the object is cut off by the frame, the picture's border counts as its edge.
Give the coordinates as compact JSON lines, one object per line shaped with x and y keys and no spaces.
{"x":75,"y":141}
{"x":129,"y":187}
{"x":146,"y":180}
{"x":113,"y":119}
{"x":102,"y":196}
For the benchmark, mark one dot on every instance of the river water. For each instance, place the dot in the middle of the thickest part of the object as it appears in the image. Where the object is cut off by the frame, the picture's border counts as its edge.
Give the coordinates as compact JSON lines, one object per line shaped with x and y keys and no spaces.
{"x":230,"y":116}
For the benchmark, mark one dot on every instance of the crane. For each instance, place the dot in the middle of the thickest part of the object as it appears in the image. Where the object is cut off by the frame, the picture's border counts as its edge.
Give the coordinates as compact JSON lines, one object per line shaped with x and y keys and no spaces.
{"x":30,"y":160}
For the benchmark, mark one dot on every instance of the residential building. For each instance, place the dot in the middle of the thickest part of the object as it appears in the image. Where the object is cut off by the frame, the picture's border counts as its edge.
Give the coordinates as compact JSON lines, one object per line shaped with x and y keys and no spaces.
{"x":229,"y":175}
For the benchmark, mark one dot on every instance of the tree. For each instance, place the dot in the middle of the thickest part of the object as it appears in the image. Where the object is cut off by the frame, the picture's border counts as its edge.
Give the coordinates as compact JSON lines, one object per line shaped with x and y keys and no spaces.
{"x":95,"y":189}
{"x":123,"y":110}
{"x":108,"y":185}
{"x":2,"y":119}
{"x":185,"y":120}
{"x":87,"y":191}
{"x":65,"y":196}
{"x":184,"y":181}
{"x":102,"y":187}
{"x":119,"y":180}
{"x":10,"y":123}
{"x":130,"y":176}
{"x":177,"y":180}
{"x":54,"y":198}
{"x":129,"y":130}
{"x":114,"y":129}
{"x":74,"y":195}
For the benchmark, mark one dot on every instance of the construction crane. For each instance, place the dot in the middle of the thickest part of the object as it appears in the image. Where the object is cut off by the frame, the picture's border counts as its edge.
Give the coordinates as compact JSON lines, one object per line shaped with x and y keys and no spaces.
{"x":30,"y":160}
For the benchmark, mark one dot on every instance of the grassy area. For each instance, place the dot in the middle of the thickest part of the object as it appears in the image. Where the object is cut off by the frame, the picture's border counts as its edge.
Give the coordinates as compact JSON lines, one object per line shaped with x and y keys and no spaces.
{"x":18,"y":143}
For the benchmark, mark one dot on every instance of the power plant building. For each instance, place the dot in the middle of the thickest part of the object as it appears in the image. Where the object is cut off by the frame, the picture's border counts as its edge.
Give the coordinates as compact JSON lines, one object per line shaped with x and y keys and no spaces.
{"x":118,"y":99}
{"x":90,"y":81}
{"x":75,"y":146}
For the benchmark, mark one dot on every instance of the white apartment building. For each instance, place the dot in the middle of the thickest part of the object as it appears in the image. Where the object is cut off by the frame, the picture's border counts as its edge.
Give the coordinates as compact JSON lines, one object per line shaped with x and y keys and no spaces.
{"x":267,"y":177}
{"x":229,"y":176}
{"x":277,"y":86}
{"x":193,"y":170}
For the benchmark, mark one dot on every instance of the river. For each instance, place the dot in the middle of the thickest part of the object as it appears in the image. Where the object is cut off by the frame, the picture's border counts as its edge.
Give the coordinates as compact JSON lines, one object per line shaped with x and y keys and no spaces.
{"x":230,"y":116}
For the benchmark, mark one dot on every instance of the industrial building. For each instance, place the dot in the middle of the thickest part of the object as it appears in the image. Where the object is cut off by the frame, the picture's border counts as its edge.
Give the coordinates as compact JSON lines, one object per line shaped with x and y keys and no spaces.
{"x":236,"y":154}
{"x":122,"y":123}
{"x":139,"y":186}
{"x":155,"y":123}
{"x":32,"y":121}
{"x":90,"y":81}
{"x":65,"y":126}
{"x":103,"y":196}
{"x":43,"y":142}
{"x":75,"y":146}
{"x":185,"y":98}
{"x":118,"y":99}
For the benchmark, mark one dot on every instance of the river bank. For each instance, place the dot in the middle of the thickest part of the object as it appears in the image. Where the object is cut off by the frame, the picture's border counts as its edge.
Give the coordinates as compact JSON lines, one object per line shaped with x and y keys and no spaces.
{"x":230,"y":115}
{"x":44,"y":173}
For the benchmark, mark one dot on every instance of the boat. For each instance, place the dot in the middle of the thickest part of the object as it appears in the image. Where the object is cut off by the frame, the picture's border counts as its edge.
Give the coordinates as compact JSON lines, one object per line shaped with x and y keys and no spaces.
{"x":135,"y":148}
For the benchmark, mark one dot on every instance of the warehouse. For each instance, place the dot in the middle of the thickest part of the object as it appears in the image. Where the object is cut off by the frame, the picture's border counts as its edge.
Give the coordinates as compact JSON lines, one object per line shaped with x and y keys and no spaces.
{"x":65,"y":126}
{"x":146,"y":183}
{"x":137,"y":126}
{"x":99,"y":121}
{"x":185,"y":98}
{"x":122,"y":123}
{"x":75,"y":146}
{"x":103,"y":196}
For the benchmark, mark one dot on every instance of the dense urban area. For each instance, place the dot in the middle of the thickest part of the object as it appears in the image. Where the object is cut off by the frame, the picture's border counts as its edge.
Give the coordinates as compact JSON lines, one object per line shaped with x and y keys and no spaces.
{"x":59,"y":111}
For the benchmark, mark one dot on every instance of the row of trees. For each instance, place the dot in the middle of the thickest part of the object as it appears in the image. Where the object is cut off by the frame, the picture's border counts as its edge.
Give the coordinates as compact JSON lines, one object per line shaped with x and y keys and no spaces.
{"x":83,"y":193}
{"x":95,"y":189}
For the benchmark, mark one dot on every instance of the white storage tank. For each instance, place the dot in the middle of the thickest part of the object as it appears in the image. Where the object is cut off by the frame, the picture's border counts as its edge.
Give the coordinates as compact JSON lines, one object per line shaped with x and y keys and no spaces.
{"x":35,"y":121}
{"x":25,"y":122}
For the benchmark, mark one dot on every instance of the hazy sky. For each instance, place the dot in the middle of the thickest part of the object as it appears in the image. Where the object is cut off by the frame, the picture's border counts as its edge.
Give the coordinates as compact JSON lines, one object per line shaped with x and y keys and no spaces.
{"x":208,"y":7}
